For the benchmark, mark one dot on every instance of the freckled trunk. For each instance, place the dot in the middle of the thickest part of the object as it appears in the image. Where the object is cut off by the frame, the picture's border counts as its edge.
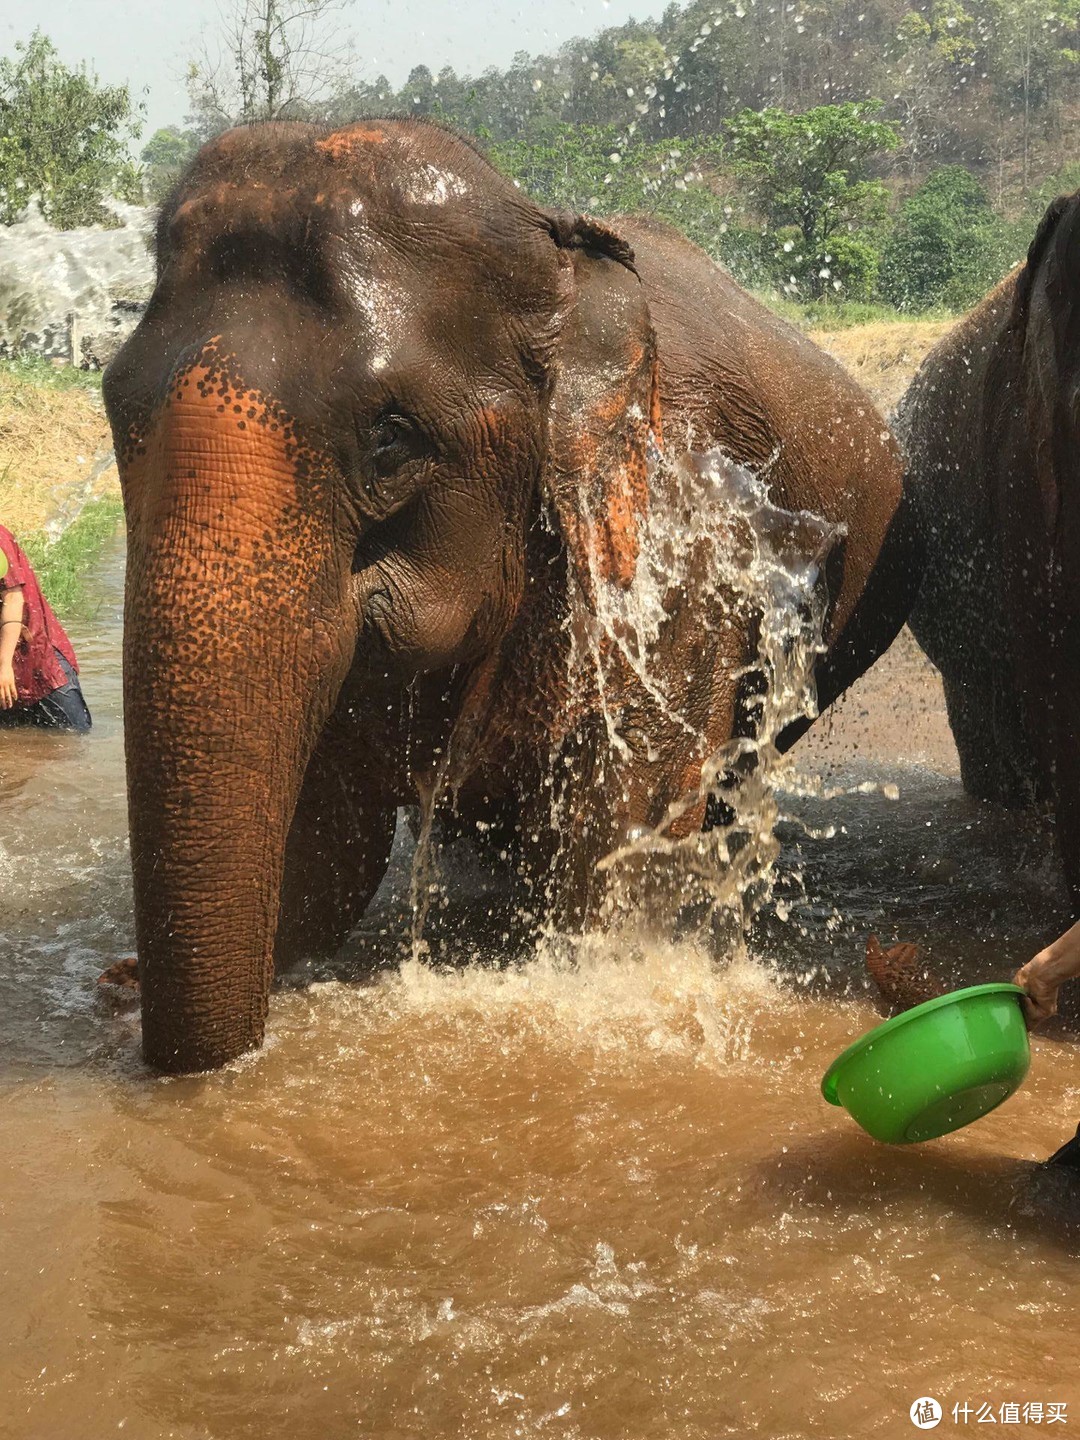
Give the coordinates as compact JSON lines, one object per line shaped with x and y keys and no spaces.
{"x":235,"y":649}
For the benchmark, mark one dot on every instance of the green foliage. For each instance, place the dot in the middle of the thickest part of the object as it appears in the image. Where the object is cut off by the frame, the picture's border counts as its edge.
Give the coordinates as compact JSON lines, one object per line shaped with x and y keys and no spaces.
{"x":945,"y":250}
{"x":806,"y":175}
{"x":592,"y":169}
{"x":853,"y":265}
{"x":129,"y":183}
{"x":37,"y":370}
{"x":947,"y":247}
{"x":170,"y":148}
{"x":63,"y":137}
{"x":1031,"y":49}
{"x":945,"y":28}
{"x":62,"y":564}
{"x":164,"y":157}
{"x":1063,"y":182}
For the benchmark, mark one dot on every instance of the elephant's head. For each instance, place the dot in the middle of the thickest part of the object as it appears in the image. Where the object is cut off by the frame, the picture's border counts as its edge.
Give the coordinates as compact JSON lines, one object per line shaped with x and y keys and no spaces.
{"x":370,"y":372}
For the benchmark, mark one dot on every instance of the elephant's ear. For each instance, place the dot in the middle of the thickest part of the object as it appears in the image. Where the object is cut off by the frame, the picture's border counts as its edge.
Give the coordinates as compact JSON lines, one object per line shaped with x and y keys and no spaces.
{"x":605,"y":406}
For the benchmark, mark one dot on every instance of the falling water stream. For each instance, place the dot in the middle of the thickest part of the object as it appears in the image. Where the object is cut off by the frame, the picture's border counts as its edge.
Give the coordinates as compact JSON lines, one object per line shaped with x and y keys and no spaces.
{"x":590,"y":1199}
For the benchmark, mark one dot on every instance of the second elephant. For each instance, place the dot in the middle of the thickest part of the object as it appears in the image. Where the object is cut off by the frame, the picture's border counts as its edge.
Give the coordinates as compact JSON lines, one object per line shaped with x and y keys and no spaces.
{"x":991,"y":425}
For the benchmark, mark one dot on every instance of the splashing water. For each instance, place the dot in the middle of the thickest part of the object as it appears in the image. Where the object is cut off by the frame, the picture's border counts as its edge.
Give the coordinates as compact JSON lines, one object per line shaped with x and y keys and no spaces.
{"x":101,"y":275}
{"x":765,"y":565}
{"x":754,"y":572}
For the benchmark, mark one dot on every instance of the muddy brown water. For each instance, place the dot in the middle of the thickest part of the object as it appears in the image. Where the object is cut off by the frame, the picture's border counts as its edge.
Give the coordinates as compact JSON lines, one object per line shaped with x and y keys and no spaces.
{"x":598,"y":1201}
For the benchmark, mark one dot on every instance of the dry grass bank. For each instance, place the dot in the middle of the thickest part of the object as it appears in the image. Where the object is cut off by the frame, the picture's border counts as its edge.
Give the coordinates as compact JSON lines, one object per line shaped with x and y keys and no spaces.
{"x":883,"y":356}
{"x":51,"y":433}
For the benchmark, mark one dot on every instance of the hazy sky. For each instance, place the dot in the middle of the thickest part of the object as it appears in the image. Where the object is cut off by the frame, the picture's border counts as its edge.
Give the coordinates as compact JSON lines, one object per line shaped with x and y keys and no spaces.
{"x":147,"y":43}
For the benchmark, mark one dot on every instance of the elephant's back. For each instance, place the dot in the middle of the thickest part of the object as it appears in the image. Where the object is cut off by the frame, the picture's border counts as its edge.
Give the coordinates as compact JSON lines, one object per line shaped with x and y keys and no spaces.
{"x":943,"y":409}
{"x":944,"y":423}
{"x":735,"y":375}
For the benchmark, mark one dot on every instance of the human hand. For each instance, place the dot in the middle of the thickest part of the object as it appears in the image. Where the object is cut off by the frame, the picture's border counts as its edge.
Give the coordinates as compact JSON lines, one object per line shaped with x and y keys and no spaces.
{"x":1036,"y":977}
{"x":8,"y":693}
{"x":1042,"y":976}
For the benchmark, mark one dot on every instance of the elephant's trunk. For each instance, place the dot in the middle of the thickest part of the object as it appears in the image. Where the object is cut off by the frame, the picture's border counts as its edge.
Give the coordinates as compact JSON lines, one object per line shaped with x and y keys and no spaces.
{"x":236,"y":644}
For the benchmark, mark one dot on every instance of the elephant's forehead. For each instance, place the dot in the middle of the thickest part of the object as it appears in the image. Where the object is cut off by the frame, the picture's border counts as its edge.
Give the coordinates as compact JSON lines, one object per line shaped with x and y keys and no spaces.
{"x":429,"y":184}
{"x":432,"y":201}
{"x":387,"y":307}
{"x":407,"y":235}
{"x":450,"y":234}
{"x":310,"y":202}
{"x":405,"y":286}
{"x":426,"y":166}
{"x":412,"y":328}
{"x":427,"y":216}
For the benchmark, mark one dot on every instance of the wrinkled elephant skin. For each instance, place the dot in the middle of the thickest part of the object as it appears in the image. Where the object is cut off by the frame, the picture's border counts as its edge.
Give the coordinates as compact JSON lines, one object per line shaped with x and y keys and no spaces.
{"x":382,"y":431}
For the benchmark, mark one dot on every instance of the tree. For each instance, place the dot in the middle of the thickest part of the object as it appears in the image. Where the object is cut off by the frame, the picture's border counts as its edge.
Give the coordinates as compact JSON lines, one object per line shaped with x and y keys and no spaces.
{"x":418,"y":96}
{"x":1031,"y":47}
{"x":807,"y":173}
{"x":947,"y":247}
{"x":715,"y":67}
{"x":164,"y":156}
{"x":279,"y":63}
{"x":63,"y":137}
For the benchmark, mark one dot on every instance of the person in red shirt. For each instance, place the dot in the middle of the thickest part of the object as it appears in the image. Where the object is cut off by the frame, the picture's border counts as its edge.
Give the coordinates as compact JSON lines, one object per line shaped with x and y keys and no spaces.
{"x":39,"y":675}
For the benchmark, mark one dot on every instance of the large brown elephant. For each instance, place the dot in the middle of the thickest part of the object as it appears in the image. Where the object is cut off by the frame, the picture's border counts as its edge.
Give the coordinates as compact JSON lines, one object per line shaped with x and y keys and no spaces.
{"x":991,"y":426}
{"x":384,"y":437}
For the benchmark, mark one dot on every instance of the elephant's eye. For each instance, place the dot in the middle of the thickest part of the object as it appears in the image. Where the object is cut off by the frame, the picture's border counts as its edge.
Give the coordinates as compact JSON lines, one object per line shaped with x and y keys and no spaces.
{"x":394,"y":438}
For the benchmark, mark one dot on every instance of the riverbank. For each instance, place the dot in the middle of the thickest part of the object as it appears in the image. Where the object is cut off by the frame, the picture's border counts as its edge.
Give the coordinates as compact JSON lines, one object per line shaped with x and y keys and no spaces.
{"x":62,"y":564}
{"x":59,"y":491}
{"x":53,"y":436}
{"x":883,"y":355}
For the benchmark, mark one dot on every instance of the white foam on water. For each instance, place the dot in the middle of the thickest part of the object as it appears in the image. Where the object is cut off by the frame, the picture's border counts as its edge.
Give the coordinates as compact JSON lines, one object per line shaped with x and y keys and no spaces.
{"x":619,"y":998}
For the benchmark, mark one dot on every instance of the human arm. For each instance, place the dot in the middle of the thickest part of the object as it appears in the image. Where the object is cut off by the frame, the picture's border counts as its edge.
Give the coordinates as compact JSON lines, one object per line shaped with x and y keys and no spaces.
{"x":1046,"y":971}
{"x":11,"y":620}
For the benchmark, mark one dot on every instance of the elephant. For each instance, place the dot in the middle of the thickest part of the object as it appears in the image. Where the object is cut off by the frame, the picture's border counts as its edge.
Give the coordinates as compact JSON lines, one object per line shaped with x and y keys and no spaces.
{"x":989,"y":427}
{"x":389,"y":437}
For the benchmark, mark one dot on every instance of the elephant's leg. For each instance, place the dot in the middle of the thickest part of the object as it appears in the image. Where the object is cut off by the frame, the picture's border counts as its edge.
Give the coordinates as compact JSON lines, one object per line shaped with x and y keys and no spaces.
{"x":986,"y":719}
{"x":336,"y":856}
{"x":567,"y":821}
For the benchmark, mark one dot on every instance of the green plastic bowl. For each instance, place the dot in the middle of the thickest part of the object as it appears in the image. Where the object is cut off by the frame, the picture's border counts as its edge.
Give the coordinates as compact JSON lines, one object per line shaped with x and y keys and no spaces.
{"x":934,"y":1068}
